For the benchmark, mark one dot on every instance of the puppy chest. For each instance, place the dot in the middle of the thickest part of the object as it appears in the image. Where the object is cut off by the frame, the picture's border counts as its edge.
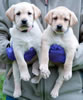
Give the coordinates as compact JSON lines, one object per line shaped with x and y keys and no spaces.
{"x":66,"y":40}
{"x":26,"y":42}
{"x":55,"y":40}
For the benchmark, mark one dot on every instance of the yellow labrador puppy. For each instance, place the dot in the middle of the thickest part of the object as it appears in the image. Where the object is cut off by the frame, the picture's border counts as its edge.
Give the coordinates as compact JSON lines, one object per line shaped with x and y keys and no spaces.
{"x":59,"y":31}
{"x":25,"y":34}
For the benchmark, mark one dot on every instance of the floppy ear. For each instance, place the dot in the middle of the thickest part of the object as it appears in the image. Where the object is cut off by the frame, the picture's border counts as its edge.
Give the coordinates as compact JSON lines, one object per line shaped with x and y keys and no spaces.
{"x":36,"y":10}
{"x":48,"y":17}
{"x":73,"y":19}
{"x":10,"y":13}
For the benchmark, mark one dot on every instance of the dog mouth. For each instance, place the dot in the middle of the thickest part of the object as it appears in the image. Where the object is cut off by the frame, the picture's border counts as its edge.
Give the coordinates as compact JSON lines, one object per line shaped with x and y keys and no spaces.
{"x":59,"y":31}
{"x":24,"y":27}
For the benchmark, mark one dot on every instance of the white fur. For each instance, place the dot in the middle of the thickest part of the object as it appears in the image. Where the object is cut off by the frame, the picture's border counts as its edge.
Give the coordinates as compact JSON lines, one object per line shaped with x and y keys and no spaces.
{"x":22,"y":42}
{"x":26,"y":39}
{"x":65,"y":38}
{"x":69,"y":42}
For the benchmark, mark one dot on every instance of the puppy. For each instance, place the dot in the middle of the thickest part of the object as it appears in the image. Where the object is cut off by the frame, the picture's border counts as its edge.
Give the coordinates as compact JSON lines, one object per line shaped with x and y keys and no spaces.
{"x":25,"y":34}
{"x":59,"y":31}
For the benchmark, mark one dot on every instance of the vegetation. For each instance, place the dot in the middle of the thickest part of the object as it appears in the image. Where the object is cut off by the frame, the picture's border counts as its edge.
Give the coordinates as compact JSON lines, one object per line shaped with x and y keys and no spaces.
{"x":2,"y":96}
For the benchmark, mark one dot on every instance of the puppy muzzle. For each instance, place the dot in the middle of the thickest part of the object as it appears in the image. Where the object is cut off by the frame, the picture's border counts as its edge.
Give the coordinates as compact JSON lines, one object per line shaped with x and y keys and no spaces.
{"x":24,"y":24}
{"x":24,"y":28}
{"x":59,"y":29}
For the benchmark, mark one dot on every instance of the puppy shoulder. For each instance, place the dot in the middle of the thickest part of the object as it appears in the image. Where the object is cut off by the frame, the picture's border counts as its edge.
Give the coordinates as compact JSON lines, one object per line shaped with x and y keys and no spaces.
{"x":36,"y":27}
{"x":69,"y":34}
{"x":73,"y":38}
{"x":12,"y":29}
{"x":48,"y":30}
{"x":47,"y":34}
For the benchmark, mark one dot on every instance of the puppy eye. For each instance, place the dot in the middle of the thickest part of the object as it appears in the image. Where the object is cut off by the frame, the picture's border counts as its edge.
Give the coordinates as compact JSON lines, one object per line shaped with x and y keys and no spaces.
{"x":29,"y":13}
{"x":55,"y":18}
{"x":65,"y":19}
{"x":18,"y":13}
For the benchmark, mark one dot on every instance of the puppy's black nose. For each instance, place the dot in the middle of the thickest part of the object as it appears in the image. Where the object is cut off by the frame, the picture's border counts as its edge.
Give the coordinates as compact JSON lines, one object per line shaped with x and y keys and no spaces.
{"x":24,"y":21}
{"x":59,"y":27}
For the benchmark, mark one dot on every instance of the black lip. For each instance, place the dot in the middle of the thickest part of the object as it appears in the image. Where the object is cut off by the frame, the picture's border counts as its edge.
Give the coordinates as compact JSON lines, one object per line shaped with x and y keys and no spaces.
{"x":24,"y":26}
{"x":59,"y":30}
{"x":24,"y":31}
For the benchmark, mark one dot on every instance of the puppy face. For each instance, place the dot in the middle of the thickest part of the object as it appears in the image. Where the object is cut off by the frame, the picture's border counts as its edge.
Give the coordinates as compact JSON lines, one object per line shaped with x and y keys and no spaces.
{"x":60,"y":19}
{"x":23,"y":14}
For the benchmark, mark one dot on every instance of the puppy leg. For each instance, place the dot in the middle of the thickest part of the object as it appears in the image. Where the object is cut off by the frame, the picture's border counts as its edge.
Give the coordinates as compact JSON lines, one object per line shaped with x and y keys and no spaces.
{"x":44,"y":61}
{"x":59,"y":82}
{"x":24,"y":73}
{"x":17,"y":81}
{"x":36,"y":79}
{"x":35,"y":71}
{"x":35,"y":68}
{"x":68,"y":64}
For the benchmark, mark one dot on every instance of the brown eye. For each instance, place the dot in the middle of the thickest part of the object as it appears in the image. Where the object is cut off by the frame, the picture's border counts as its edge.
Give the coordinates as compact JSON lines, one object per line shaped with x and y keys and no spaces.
{"x":55,"y":18}
{"x":18,"y":13}
{"x":65,"y":19}
{"x":29,"y":13}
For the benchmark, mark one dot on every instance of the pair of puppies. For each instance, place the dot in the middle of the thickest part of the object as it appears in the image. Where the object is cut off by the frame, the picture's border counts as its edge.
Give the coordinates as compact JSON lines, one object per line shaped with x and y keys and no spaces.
{"x":26,"y":33}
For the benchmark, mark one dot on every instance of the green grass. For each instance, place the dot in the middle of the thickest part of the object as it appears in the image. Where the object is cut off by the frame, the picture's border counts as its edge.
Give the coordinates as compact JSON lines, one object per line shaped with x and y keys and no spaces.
{"x":2,"y":96}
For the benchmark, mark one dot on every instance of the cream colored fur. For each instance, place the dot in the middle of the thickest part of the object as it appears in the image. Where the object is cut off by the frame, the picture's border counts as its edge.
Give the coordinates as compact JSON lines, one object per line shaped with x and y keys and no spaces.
{"x":22,"y":41}
{"x":65,"y":38}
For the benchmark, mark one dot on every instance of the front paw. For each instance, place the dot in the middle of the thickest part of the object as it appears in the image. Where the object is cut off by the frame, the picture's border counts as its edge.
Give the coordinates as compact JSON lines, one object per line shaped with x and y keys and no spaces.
{"x":25,"y":76}
{"x":44,"y":71}
{"x":67,"y":75}
{"x":17,"y":93}
{"x":54,"y":93}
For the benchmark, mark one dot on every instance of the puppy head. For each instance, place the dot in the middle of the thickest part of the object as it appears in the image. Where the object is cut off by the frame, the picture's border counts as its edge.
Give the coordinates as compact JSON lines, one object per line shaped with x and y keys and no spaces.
{"x":60,"y":19}
{"x":23,"y":14}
